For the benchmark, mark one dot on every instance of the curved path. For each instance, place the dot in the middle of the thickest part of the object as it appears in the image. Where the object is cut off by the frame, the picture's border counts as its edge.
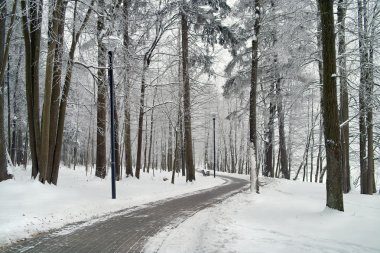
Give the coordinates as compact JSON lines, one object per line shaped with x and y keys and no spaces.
{"x":129,"y":230}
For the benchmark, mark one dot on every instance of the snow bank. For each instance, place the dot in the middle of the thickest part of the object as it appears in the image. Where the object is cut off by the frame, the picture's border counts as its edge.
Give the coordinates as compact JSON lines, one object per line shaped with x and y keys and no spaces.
{"x":29,"y":207}
{"x":287,"y":216}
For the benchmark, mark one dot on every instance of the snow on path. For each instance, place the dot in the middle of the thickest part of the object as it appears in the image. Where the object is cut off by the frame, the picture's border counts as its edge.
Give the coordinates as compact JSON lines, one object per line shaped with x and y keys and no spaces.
{"x":287,"y":216}
{"x":29,"y":207}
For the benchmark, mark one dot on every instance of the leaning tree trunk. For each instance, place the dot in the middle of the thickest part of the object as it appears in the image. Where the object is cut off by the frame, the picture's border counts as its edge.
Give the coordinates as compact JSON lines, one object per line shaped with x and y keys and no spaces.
{"x":64,"y":98}
{"x":101,"y":153}
{"x":330,"y":108}
{"x":32,"y":15}
{"x":190,"y":169}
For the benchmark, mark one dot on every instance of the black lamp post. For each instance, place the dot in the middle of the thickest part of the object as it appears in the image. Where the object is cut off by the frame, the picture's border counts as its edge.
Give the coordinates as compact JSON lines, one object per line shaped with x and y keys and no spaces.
{"x":112,"y":105}
{"x":213,"y":120}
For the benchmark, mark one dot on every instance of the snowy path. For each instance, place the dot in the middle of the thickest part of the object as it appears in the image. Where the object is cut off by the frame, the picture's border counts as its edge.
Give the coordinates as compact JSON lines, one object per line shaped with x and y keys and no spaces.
{"x":129,"y":229}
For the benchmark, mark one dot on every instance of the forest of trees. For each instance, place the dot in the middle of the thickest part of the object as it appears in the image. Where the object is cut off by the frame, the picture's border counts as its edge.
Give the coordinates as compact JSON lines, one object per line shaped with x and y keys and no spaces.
{"x":294,"y":86}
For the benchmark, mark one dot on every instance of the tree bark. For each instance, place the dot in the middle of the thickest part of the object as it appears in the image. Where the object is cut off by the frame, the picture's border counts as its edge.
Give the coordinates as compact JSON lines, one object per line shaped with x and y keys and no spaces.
{"x":344,"y":111}
{"x":127,"y":120}
{"x":362,"y":102}
{"x":252,"y":102}
{"x":330,"y":108}
{"x":56,"y":92}
{"x":32,"y":35}
{"x":141,"y":116}
{"x":151,"y":132}
{"x":101,"y":153}
{"x":281,"y":132}
{"x":190,"y":169}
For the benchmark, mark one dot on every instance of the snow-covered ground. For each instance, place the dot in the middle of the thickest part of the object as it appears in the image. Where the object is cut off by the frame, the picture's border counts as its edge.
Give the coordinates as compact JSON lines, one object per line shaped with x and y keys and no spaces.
{"x":287,"y":216}
{"x":28,"y":207}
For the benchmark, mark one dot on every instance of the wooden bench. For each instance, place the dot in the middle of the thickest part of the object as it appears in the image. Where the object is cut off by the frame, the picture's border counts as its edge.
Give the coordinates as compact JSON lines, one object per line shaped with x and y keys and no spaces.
{"x":205,"y":173}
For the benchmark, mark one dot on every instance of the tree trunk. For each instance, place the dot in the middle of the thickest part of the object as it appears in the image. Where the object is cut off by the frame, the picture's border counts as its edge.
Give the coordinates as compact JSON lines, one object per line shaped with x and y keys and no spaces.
{"x":117,"y":143}
{"x":56,"y":93}
{"x":101,"y":153}
{"x":342,"y":5}
{"x":330,"y":108}
{"x":269,"y":133}
{"x":151,"y":131}
{"x":141,"y":117}
{"x":190,"y":169}
{"x":3,"y":156}
{"x":127,"y":121}
{"x":362,"y":100}
{"x":252,"y":102}
{"x":281,"y":133}
{"x":170,"y":148}
{"x":32,"y":35}
{"x":146,"y":142}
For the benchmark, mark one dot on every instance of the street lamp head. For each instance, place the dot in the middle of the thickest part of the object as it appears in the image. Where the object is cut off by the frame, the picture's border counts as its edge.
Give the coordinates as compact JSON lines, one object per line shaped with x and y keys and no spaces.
{"x":213,"y":115}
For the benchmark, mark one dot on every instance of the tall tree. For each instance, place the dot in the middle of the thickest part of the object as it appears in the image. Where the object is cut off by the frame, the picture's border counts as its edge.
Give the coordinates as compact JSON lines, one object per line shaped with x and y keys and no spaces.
{"x":5,"y":38}
{"x":343,"y":112}
{"x":31,"y":26}
{"x":101,"y":153}
{"x":127,"y":117}
{"x":253,"y":99}
{"x":330,"y":108}
{"x":190,"y":169}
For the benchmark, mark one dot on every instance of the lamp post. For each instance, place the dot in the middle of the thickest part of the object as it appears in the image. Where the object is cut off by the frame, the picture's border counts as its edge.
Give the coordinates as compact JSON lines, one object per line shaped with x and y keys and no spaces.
{"x":213,"y":121}
{"x":112,"y":105}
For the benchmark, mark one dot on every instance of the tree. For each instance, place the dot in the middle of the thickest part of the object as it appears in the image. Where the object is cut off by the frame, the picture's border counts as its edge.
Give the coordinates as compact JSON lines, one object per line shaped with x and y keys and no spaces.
{"x":343,"y":112}
{"x":127,"y":117}
{"x":188,"y":144}
{"x":330,"y":108}
{"x":253,"y":100}
{"x":4,"y":52}
{"x":101,"y":153}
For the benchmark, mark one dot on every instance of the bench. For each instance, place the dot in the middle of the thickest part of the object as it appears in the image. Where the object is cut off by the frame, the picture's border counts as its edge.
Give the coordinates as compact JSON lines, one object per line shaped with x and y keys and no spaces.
{"x":205,"y":173}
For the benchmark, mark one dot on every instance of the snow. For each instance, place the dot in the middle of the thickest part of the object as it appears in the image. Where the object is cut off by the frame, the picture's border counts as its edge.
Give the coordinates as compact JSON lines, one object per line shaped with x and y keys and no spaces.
{"x":29,"y":207}
{"x":288,"y":216}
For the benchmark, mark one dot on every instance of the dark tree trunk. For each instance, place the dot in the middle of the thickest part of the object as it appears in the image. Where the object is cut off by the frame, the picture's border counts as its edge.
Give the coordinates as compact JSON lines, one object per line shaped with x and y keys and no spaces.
{"x":32,"y":35}
{"x":252,"y":102}
{"x":56,"y":93}
{"x":146,"y":142}
{"x":342,"y":5}
{"x":151,"y":132}
{"x":269,"y":133}
{"x":141,"y":117}
{"x":362,"y":99}
{"x":170,"y":148}
{"x":281,"y":133}
{"x":101,"y":153}
{"x":190,"y":169}
{"x":117,"y":144}
{"x":3,"y":155}
{"x":127,"y":117}
{"x":330,"y":108}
